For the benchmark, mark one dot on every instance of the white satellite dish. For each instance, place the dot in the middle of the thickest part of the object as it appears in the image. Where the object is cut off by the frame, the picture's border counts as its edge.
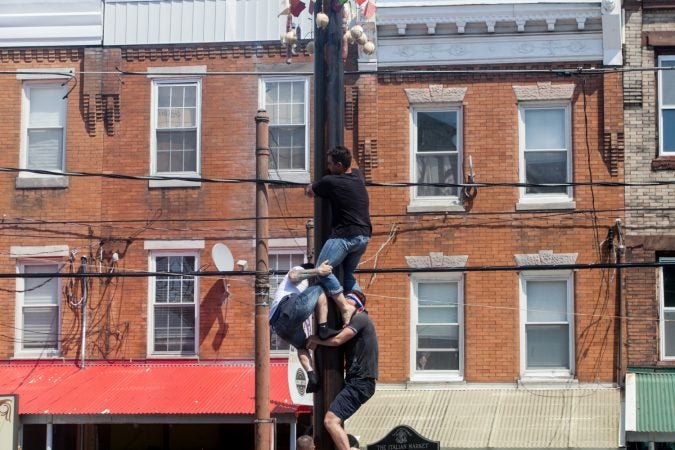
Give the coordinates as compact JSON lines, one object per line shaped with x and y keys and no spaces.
{"x":222,"y":258}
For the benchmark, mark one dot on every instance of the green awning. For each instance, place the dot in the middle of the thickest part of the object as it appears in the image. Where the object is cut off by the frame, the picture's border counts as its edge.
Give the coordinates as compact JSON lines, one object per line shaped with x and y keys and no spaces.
{"x":650,"y":401}
{"x":497,"y":418}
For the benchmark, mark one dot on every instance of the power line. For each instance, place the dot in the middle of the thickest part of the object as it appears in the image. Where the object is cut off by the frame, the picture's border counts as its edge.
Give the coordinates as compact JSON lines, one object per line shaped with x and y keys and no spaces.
{"x":392,"y":270}
{"x":370,"y":183}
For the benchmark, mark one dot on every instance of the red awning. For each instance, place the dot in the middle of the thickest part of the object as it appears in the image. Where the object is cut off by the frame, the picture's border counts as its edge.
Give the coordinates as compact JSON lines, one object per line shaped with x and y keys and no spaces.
{"x":143,"y":388}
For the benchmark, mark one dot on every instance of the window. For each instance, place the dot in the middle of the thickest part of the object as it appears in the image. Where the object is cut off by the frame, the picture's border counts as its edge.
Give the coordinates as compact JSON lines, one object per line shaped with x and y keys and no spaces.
{"x":282,"y":260}
{"x":437,"y":334}
{"x":174,"y":300}
{"x":667,"y":106}
{"x":286,"y":103}
{"x":545,"y":148}
{"x":44,"y":119}
{"x":547,"y":339}
{"x":667,"y":315}
{"x":436,"y":148}
{"x":38,"y":301}
{"x":176,"y":128}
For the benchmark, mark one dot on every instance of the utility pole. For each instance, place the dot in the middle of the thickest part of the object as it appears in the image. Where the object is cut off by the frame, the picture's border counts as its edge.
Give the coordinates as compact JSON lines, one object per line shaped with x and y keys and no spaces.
{"x":263,"y":422}
{"x":329,"y":106}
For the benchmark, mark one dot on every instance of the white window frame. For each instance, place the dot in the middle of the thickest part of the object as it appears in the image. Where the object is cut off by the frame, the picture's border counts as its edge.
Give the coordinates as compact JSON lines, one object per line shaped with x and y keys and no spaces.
{"x":546,"y":275}
{"x":297,"y":175}
{"x":158,"y":81}
{"x":153,"y":254}
{"x":25,"y":118}
{"x":661,"y":106}
{"x":435,"y":375}
{"x":553,"y":200}
{"x":285,"y":247}
{"x":19,"y":352}
{"x":662,"y":311}
{"x":436,"y":203}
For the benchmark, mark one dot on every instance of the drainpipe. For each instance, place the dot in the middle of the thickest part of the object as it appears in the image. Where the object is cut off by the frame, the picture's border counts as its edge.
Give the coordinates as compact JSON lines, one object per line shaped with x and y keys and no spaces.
{"x":83,"y":265}
{"x":294,"y":431}
{"x":621,"y":368}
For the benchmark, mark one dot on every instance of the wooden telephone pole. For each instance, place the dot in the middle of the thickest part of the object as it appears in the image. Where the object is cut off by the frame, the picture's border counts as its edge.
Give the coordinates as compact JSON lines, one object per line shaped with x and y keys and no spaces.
{"x":329,"y":109}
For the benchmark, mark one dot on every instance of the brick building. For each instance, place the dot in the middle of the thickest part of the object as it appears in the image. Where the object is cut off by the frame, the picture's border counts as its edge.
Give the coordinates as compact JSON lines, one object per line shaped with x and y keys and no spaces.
{"x":505,"y":91}
{"x":494,"y":89}
{"x":139,"y":99}
{"x":650,"y":146}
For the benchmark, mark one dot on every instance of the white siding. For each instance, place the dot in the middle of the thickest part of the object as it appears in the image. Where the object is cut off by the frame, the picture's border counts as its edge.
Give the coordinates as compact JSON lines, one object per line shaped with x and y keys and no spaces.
{"x":140,"y":22}
{"x":49,"y":23}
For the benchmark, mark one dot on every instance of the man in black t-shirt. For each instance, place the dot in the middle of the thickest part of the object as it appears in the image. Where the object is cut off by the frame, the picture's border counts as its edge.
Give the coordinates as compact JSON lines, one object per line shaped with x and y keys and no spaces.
{"x":361,"y":354}
{"x":350,"y":226}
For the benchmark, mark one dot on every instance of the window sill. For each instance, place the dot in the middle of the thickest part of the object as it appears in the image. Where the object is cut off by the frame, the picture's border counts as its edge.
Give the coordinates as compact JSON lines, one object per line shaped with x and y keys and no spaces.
{"x":541,"y":380}
{"x":47,"y":354}
{"x":663,"y":163}
{"x":436,"y":378}
{"x":169,"y":356}
{"x":543,"y":204}
{"x":53,"y":182}
{"x":299,"y":176}
{"x":173,"y":183}
{"x":419,"y":206}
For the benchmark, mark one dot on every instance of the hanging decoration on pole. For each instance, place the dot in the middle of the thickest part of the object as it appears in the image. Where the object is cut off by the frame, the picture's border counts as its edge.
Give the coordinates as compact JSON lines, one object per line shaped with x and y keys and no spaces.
{"x":353,"y":13}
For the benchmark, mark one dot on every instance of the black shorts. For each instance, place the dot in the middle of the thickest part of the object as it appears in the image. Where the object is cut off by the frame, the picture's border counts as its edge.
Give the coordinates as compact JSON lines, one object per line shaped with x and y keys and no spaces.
{"x":355,"y":393}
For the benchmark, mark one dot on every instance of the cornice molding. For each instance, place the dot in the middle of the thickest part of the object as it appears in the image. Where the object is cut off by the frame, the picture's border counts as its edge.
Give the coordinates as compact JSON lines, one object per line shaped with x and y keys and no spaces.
{"x":444,"y":50}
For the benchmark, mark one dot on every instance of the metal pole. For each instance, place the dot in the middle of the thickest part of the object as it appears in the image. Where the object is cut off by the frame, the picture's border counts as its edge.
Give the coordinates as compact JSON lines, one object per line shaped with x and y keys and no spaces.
{"x":85,"y":293}
{"x":328,"y":132}
{"x":263,"y":423}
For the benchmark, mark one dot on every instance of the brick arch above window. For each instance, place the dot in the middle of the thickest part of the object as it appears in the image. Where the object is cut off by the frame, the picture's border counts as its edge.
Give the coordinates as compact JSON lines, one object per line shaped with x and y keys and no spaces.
{"x":435,"y":93}
{"x":436,"y":259}
{"x":544,"y":91}
{"x":545,"y":258}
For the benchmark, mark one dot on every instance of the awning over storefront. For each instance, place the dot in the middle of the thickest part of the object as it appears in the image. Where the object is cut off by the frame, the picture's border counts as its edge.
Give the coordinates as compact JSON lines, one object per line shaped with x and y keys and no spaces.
{"x":650,"y":405}
{"x":144,"y":388}
{"x":495,"y":418}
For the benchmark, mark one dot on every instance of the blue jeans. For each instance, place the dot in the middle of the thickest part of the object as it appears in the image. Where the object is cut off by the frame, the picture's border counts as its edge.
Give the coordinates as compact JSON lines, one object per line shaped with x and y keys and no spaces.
{"x":347,"y":251}
{"x":292,"y":312}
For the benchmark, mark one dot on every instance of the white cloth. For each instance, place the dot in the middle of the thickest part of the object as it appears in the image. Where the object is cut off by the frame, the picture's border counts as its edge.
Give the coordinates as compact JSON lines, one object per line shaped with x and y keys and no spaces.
{"x":287,"y":287}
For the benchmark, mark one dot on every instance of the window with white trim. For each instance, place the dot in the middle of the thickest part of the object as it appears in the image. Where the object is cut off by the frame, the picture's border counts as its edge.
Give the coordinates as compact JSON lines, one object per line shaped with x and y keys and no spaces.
{"x":436,"y":153}
{"x":44,"y":126}
{"x":284,"y":260}
{"x":667,"y":306}
{"x":176,"y":127}
{"x":547,"y":324}
{"x":286,"y":102}
{"x":38,"y":310}
{"x":666,"y":82}
{"x":436,"y":327}
{"x":545,"y":152}
{"x":174,"y":302}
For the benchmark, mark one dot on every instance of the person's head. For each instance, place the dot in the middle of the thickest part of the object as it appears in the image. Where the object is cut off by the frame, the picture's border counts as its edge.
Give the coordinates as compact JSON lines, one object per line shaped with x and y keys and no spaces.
{"x":305,"y":442}
{"x":353,"y":442}
{"x":339,"y":160}
{"x":356,"y":298}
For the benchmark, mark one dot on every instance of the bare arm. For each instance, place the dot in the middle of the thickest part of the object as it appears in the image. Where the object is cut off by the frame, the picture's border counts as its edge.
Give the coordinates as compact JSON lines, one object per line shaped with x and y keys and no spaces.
{"x":309,"y":192}
{"x":298,"y":275}
{"x":343,"y":336}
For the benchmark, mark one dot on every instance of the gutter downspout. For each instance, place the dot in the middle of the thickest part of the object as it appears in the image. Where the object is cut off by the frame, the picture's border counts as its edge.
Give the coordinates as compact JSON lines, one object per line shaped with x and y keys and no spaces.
{"x":621,"y":368}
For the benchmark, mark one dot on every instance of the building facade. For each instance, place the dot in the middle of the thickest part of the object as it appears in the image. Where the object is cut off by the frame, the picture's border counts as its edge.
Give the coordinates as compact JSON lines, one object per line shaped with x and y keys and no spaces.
{"x":650,"y":126}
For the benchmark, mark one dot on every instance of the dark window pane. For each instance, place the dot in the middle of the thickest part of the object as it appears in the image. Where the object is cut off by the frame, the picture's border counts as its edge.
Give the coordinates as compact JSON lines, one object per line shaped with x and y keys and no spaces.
{"x":436,"y":131}
{"x":543,"y":168}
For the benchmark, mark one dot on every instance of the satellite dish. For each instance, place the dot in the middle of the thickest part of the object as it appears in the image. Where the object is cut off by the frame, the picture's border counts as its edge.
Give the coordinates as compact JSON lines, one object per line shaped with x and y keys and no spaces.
{"x":222,"y":257}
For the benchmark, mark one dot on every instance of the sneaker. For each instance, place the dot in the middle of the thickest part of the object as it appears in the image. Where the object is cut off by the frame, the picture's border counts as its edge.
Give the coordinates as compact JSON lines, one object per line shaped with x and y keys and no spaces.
{"x":313,"y":382}
{"x":327,"y":332}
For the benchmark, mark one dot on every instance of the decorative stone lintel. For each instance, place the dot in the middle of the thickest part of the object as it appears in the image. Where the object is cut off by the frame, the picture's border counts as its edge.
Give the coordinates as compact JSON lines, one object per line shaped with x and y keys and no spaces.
{"x":545,"y":258}
{"x":436,"y":259}
{"x":544,"y":91}
{"x":436,"y":93}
